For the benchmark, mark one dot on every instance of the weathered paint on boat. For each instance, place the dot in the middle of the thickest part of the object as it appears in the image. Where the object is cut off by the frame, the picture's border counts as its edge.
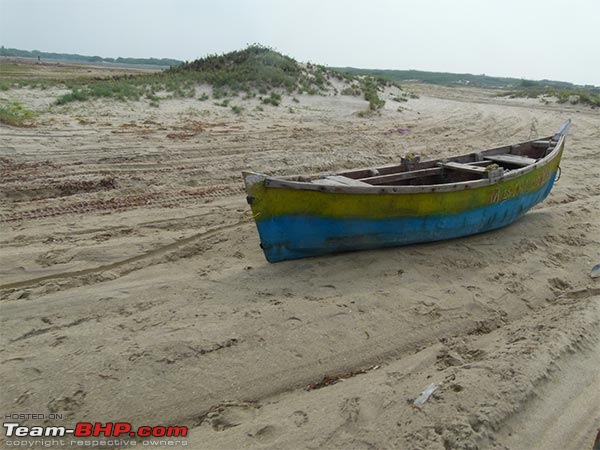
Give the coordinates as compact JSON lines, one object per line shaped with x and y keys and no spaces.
{"x":296,"y":223}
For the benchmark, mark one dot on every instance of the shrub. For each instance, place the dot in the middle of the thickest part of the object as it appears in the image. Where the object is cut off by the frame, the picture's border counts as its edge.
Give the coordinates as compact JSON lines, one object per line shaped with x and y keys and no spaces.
{"x":353,"y":89}
{"x":15,"y":114}
{"x":75,"y":96}
{"x":274,"y":99}
{"x":370,"y":90}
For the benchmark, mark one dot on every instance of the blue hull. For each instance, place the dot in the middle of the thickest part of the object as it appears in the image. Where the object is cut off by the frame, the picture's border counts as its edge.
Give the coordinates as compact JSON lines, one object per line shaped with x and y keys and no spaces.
{"x":293,"y":236}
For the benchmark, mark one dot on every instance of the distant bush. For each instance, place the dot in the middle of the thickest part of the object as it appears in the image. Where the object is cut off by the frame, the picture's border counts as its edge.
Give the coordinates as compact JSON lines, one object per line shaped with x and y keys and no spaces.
{"x":353,"y":89}
{"x":274,"y":99}
{"x":529,"y":83}
{"x":89,"y":59}
{"x":590,"y":97}
{"x":370,"y":89}
{"x":75,"y":96}
{"x":219,"y":92}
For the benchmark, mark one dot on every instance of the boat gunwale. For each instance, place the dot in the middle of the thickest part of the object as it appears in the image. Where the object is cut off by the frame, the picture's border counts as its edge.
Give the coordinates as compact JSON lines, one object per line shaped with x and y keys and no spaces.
{"x":273,"y":182}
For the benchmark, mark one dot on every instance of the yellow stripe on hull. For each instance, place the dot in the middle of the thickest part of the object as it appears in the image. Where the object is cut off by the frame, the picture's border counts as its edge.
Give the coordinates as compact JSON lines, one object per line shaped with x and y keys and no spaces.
{"x":272,"y":202}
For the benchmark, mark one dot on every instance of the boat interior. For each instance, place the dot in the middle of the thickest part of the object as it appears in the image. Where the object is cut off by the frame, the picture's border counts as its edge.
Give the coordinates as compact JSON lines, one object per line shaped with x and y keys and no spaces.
{"x":413,"y":172}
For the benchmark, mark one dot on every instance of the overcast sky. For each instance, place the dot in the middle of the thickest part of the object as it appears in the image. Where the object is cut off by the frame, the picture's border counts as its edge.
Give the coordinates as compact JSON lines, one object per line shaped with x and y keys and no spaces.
{"x":534,"y":39}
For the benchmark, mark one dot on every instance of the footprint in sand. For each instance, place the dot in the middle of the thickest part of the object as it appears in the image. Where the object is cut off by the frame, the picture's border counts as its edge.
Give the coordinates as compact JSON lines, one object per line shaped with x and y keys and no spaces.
{"x":69,"y":403}
{"x":265,"y":433}
{"x":231,"y":415}
{"x":361,"y":412}
{"x":300,"y":418}
{"x":558,"y":284}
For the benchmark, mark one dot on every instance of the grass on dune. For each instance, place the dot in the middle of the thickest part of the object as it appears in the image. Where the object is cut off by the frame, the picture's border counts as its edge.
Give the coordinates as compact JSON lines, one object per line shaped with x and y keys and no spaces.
{"x":130,"y":87}
{"x":255,"y":71}
{"x":15,"y":114}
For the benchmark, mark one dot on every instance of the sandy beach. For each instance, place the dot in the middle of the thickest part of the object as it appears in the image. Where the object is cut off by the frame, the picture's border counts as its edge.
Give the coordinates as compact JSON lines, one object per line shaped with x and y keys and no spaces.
{"x":133,"y":286}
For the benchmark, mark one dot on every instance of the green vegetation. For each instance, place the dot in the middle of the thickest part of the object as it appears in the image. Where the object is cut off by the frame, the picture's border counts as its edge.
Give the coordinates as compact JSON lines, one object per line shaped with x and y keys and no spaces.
{"x":370,"y":88}
{"x":512,"y":87}
{"x":255,"y":70}
{"x":224,"y":103}
{"x":9,"y":69}
{"x":531,"y":89}
{"x":274,"y":99}
{"x":118,"y":89}
{"x":14,"y":52}
{"x":258,"y":71}
{"x":263,"y":70}
{"x":72,"y":97}
{"x":354,"y":89}
{"x":15,"y":114}
{"x":448,"y":79}
{"x":22,"y":75}
{"x":128,"y":87}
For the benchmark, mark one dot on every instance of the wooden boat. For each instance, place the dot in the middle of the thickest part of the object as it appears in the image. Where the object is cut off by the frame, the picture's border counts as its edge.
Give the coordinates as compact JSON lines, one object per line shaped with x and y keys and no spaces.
{"x":414,"y":201}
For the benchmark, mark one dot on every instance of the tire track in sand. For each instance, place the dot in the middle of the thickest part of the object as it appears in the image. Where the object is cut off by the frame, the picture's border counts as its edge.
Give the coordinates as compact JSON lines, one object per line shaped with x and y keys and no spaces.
{"x":127,"y":202}
{"x":164,"y":251}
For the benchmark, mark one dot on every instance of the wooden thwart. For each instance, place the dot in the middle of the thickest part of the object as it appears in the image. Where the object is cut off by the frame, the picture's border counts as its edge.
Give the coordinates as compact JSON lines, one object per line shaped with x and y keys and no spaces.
{"x":485,"y":162}
{"x":338,"y":180}
{"x":520,"y":161}
{"x":463,"y":167}
{"x":540,"y":144}
{"x":393,"y":177}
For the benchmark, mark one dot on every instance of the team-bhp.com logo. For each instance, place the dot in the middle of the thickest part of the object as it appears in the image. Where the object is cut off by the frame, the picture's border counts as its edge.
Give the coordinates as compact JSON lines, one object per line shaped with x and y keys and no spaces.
{"x":87,"y":430}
